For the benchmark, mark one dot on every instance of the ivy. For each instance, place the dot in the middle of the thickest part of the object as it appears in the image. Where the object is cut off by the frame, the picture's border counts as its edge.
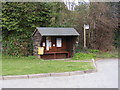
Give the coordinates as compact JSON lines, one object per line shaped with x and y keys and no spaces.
{"x":19,"y":20}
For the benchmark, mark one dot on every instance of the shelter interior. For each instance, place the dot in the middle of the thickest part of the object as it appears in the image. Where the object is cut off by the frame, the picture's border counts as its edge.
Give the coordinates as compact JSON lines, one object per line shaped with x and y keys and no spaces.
{"x":57,"y":46}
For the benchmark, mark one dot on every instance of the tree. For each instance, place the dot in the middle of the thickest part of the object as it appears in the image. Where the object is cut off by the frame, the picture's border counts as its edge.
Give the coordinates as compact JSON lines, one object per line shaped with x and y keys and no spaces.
{"x":115,"y":11}
{"x":103,"y":24}
{"x":81,"y":15}
{"x":19,"y":20}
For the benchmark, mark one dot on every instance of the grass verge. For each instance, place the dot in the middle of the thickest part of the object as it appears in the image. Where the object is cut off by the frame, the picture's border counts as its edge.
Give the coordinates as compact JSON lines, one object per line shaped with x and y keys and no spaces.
{"x":107,"y":55}
{"x":91,"y":53}
{"x":32,"y":65}
{"x":83,"y":56}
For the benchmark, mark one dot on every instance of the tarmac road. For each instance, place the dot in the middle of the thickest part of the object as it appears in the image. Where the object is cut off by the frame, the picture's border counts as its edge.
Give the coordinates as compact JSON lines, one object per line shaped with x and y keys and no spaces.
{"x":106,"y":77}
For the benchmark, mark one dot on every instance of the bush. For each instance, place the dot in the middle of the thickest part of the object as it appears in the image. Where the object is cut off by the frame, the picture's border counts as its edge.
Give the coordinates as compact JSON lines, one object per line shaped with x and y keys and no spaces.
{"x":94,"y":51}
{"x":85,"y":50}
{"x":17,"y":46}
{"x":83,"y":56}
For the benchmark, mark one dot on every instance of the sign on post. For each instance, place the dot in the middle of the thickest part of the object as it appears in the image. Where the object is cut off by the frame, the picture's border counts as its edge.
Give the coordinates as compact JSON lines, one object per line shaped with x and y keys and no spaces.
{"x":86,"y":26}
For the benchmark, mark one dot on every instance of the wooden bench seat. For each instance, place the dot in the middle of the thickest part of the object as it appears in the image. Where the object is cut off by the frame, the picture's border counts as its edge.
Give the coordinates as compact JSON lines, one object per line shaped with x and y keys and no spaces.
{"x":61,"y":52}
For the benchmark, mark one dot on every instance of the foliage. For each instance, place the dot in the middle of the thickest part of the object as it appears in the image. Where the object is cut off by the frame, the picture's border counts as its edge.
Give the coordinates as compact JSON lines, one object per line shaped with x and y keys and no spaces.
{"x":83,"y":56}
{"x":1,"y":63}
{"x":94,"y":51}
{"x":102,"y":21}
{"x":19,"y":20}
{"x":17,"y":46}
{"x":17,"y":16}
{"x":12,"y":65}
{"x":107,"y":55}
{"x":86,"y":50}
{"x":81,"y":14}
{"x":87,"y":54}
{"x":117,"y":38}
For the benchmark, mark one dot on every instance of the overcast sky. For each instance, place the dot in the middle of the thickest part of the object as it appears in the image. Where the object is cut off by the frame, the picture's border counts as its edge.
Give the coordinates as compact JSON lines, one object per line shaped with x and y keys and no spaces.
{"x":72,"y":6}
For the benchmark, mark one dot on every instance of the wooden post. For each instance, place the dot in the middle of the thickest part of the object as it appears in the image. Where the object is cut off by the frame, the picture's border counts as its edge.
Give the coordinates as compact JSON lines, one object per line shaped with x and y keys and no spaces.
{"x":84,"y":37}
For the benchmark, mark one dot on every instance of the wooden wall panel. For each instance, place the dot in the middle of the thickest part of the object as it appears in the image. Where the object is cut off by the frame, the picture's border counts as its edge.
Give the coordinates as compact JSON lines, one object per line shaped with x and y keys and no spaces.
{"x":68,"y":44}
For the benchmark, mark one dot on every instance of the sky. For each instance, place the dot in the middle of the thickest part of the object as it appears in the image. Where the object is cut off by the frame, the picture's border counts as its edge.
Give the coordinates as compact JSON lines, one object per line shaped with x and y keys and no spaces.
{"x":70,"y":7}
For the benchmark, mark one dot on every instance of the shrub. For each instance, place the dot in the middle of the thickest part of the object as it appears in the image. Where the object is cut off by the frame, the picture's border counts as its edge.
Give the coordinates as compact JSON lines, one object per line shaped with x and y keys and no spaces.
{"x":85,"y":50}
{"x":83,"y":56}
{"x":94,"y":51}
{"x":17,"y":46}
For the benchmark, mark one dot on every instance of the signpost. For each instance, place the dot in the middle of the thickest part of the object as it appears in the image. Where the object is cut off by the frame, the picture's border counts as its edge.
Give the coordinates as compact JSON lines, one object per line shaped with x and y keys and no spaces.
{"x":85,"y":27}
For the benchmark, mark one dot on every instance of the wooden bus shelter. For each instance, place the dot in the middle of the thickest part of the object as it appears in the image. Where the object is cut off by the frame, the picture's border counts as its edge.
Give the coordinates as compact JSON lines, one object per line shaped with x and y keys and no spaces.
{"x":55,"y":42}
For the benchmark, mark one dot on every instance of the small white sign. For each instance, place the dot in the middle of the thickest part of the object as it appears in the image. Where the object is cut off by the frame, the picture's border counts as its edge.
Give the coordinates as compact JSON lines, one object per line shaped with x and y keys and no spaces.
{"x":47,"y":44}
{"x":43,"y":44}
{"x":53,"y":45}
{"x":59,"y":42}
{"x":86,"y":26}
{"x":50,"y":44}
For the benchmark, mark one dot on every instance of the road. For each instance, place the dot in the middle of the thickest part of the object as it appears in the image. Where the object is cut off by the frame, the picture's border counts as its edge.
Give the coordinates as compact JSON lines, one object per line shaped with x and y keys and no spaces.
{"x":106,"y":77}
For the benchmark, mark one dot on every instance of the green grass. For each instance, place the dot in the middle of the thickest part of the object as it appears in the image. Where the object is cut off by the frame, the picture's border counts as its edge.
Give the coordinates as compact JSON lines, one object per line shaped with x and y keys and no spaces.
{"x":12,"y":65}
{"x":83,"y":56}
{"x":107,"y":55}
{"x":88,"y":54}
{"x":32,"y":65}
